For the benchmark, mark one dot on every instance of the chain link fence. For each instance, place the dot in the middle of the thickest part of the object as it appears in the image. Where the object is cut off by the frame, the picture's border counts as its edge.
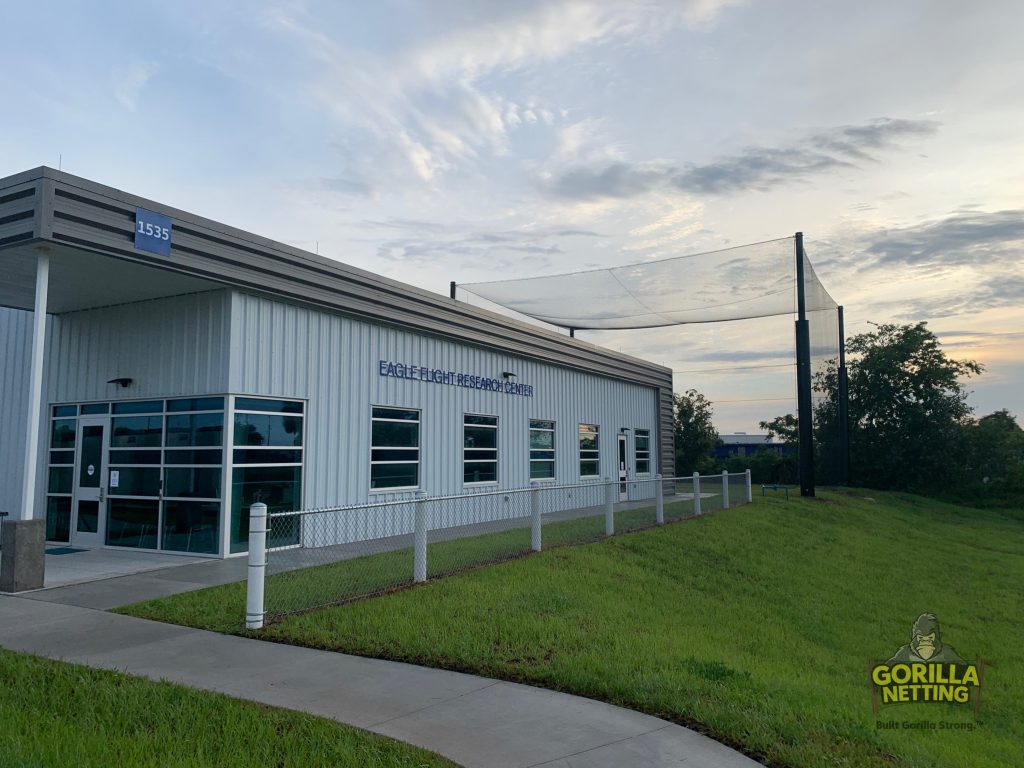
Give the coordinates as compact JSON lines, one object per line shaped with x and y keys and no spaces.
{"x":305,"y":560}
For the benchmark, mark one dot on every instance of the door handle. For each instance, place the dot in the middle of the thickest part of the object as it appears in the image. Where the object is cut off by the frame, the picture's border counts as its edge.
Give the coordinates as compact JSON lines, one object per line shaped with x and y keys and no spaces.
{"x":101,"y":494}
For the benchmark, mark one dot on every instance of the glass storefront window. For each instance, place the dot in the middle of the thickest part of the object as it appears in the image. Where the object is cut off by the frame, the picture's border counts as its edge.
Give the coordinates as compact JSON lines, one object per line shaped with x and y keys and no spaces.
{"x":193,"y":457}
{"x":196,"y":429}
{"x":135,"y":481}
{"x":133,"y":523}
{"x":267,"y":429}
{"x":137,"y":432}
{"x":61,"y":479}
{"x":62,"y":433}
{"x":262,"y":404}
{"x":58,"y":518}
{"x":192,"y":482}
{"x":280,"y":488}
{"x":139,"y":406}
{"x":196,"y":404}
{"x":166,"y":458}
{"x":191,"y":526}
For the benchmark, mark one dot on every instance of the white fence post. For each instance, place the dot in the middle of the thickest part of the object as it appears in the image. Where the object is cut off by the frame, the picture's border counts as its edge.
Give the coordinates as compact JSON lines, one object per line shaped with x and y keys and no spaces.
{"x":535,"y":516}
{"x":750,"y":490}
{"x":725,"y":489}
{"x":419,"y":545}
{"x":696,"y":493}
{"x":659,"y":500}
{"x":611,"y":490}
{"x":254,"y":609}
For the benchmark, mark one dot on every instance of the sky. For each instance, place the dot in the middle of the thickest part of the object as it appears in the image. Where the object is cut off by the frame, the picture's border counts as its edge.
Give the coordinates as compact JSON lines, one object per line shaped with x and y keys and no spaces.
{"x":477,"y":141}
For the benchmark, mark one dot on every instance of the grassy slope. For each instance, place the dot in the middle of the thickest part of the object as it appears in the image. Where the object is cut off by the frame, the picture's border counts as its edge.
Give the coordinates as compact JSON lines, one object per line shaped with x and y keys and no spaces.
{"x":57,"y":714}
{"x":756,"y":624}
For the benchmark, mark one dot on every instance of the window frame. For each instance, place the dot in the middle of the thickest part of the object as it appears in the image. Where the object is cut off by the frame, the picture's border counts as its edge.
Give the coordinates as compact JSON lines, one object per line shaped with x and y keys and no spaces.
{"x":637,"y":457}
{"x":497,"y":453}
{"x":530,"y":429}
{"x":586,"y":428}
{"x":419,"y":449}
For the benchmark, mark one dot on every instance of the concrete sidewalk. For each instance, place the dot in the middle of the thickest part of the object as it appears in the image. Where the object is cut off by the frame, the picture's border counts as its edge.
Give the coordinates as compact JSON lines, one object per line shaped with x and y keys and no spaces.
{"x":471,"y":720}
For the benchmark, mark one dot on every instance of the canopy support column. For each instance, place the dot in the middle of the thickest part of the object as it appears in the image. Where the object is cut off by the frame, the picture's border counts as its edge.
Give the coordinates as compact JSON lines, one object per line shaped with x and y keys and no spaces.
{"x":35,"y":389}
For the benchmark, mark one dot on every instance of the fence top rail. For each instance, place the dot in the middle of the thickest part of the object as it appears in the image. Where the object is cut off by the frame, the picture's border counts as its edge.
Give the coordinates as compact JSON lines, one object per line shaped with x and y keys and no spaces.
{"x":543,"y":486}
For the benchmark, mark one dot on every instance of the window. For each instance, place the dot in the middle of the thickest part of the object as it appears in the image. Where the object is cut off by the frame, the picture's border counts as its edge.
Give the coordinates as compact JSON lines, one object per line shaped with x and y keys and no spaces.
{"x":479,"y":449}
{"x":63,"y":433}
{"x":394,"y":448}
{"x":266,"y":467}
{"x":590,"y":451}
{"x":542,"y":449}
{"x":642,"y":449}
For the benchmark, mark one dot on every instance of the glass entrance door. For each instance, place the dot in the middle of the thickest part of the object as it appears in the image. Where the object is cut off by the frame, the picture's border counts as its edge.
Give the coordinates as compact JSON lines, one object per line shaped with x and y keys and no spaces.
{"x":89,"y":500}
{"x":623,"y":471}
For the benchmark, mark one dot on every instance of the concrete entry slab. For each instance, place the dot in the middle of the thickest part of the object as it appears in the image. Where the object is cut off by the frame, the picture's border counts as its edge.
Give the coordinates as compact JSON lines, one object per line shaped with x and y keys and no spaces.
{"x":88,"y":565}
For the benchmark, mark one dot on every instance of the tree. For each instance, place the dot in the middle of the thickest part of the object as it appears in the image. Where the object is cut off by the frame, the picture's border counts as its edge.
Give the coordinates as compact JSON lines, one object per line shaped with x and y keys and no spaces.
{"x":695,"y":435}
{"x":785,"y":428}
{"x":907,"y":408}
{"x":994,"y":447}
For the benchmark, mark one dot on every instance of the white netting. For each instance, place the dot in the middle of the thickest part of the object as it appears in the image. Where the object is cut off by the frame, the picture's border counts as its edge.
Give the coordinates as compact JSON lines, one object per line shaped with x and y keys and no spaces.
{"x":747,"y":281}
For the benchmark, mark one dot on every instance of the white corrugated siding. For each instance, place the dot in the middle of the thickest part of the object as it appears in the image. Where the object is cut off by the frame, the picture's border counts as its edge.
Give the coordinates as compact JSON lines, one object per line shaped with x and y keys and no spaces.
{"x":15,"y":361}
{"x":281,"y":350}
{"x":168,"y":347}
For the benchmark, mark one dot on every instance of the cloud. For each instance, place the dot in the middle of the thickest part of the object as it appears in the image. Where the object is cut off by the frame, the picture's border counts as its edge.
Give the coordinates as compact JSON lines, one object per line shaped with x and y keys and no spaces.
{"x":131,"y":81}
{"x":422,"y":111}
{"x":426,"y":242}
{"x":970,"y":238}
{"x":755,"y":168}
{"x":993,"y":293}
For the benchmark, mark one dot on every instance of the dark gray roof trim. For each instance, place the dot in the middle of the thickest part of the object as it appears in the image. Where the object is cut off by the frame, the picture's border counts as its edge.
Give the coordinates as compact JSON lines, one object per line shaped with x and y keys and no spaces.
{"x":52,"y":205}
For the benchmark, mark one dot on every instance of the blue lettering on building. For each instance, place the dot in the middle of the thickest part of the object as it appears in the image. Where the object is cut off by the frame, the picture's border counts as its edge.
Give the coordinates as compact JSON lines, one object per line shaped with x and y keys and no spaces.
{"x":453,"y":378}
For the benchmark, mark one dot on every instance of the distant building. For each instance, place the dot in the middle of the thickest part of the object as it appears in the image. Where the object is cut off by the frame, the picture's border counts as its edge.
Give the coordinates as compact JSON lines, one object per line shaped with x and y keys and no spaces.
{"x":741,"y":444}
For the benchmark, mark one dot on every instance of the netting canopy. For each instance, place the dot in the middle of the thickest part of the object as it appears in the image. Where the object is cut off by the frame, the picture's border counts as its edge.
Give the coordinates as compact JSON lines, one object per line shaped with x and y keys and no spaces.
{"x":750,"y":281}
{"x":747,"y":281}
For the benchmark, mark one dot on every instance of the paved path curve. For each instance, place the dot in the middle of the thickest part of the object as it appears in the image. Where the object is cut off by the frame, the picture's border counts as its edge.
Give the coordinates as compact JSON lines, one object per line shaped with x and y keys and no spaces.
{"x":472,"y":720}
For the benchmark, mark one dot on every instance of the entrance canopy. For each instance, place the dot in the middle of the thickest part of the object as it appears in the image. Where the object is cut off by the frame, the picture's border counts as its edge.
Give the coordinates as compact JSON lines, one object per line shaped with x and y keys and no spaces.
{"x":82,"y":279}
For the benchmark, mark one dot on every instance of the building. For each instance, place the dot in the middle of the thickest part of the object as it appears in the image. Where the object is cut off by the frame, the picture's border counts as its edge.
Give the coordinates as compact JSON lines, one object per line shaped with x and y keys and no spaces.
{"x":741,"y":444}
{"x":161,"y":372}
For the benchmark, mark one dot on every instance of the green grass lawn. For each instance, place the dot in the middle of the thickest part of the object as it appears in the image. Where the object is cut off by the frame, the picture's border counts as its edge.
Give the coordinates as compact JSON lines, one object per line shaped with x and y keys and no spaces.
{"x":223,"y":608}
{"x":57,"y":714}
{"x":754,"y":625}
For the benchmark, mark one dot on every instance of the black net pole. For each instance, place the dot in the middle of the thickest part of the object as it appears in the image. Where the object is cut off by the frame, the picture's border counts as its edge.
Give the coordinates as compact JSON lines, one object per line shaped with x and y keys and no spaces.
{"x":843,"y":409}
{"x":805,"y":416}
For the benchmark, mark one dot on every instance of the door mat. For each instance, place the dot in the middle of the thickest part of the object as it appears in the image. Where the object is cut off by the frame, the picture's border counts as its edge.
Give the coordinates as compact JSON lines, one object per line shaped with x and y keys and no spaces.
{"x":64,"y":550}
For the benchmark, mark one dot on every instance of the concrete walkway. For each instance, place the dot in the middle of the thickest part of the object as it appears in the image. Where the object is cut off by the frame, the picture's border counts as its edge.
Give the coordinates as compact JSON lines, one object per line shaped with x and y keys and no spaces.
{"x":471,"y":720}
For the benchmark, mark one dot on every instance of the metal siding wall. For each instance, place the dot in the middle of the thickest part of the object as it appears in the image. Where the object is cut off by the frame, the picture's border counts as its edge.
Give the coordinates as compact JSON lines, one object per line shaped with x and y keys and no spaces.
{"x":282,"y":350}
{"x":15,"y":360}
{"x":169,"y":347}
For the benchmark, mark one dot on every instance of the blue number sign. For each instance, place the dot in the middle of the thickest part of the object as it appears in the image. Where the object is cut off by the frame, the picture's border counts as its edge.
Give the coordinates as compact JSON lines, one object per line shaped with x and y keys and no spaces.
{"x":152,"y":232}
